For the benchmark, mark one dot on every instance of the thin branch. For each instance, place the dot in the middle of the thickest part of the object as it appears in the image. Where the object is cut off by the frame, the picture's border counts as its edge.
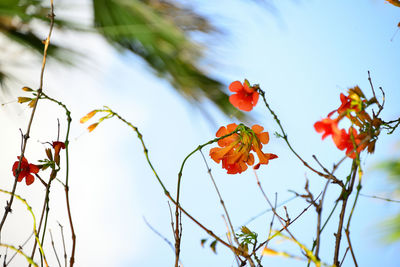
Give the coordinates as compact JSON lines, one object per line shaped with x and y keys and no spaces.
{"x":20,"y":248}
{"x":19,"y":252}
{"x":26,"y":135}
{"x":380,"y":198}
{"x":45,"y":204}
{"x":63,"y":241}
{"x":166,"y":192}
{"x":281,"y":220}
{"x":268,"y":210}
{"x":285,"y":227}
{"x":344,"y":256}
{"x":54,"y":249}
{"x":373,"y":91}
{"x":66,"y":186}
{"x":220,"y":198}
{"x":285,"y":137}
{"x":160,"y":235}
{"x":344,"y":197}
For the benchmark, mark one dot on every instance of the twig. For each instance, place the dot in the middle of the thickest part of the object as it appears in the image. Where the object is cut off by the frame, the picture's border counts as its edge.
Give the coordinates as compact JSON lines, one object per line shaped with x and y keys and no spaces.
{"x":344,"y":256}
{"x":285,"y":137}
{"x":54,"y":249}
{"x":373,"y":91}
{"x":63,"y":241}
{"x":26,"y":135}
{"x":166,"y":192}
{"x":319,"y":212}
{"x":285,"y":227}
{"x":281,"y":220}
{"x":20,"y":248}
{"x":344,"y":197}
{"x":29,"y":208}
{"x":178,"y":189}
{"x":270,"y":227}
{"x":268,"y":210}
{"x":66,"y":186}
{"x":45,"y":204}
{"x":228,"y":237}
{"x":19,"y":252}
{"x":381,"y":198}
{"x":220,"y":198}
{"x":160,"y":235}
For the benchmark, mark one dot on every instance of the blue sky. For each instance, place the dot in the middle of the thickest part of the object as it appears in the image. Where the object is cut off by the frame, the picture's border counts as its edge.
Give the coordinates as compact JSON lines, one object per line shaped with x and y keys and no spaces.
{"x":304,"y":56}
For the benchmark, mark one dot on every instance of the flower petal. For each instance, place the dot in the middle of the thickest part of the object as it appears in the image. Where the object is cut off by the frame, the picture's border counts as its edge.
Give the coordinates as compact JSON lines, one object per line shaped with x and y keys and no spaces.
{"x":33,"y":168}
{"x":255,"y":98}
{"x":264,"y":137}
{"x":235,"y":86}
{"x":257,"y":128}
{"x":29,"y":179}
{"x":245,"y":106}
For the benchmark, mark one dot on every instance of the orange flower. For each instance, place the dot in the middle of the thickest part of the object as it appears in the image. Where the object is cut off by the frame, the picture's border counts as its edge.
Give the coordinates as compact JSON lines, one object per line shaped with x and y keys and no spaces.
{"x":246,"y":96}
{"x":26,"y":170}
{"x":235,"y":150}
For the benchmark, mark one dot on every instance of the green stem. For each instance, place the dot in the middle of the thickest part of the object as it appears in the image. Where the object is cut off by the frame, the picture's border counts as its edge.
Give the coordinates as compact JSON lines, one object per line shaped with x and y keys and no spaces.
{"x":29,"y":208}
{"x":285,"y":137}
{"x":166,"y":192}
{"x":66,"y":186}
{"x":30,"y":261}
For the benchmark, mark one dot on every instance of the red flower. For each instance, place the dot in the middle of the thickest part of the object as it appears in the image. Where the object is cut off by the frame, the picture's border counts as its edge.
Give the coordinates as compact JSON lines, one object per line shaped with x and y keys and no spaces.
{"x":235,"y":150}
{"x":328,"y":126}
{"x":344,"y":141}
{"x":340,"y":137}
{"x":246,"y":97}
{"x":58,"y":146}
{"x":26,"y":170}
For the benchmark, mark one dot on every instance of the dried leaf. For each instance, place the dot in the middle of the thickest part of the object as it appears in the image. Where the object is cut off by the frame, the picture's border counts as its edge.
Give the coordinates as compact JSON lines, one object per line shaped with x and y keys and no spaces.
{"x":24,"y":99}
{"x":48,"y":153}
{"x":32,"y":103}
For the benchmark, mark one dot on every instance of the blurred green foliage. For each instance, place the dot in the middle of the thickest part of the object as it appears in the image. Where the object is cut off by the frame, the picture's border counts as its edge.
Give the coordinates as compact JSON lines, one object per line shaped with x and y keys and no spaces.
{"x":156,"y":31}
{"x":391,"y":226}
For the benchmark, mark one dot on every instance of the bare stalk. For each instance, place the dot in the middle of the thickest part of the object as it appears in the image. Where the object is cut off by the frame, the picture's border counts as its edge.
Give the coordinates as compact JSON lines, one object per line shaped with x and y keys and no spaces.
{"x":343,"y":197}
{"x":26,"y":135}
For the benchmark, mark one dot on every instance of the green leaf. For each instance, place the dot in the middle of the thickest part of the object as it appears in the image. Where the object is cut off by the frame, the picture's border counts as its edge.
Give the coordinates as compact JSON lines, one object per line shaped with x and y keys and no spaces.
{"x":213,"y":246}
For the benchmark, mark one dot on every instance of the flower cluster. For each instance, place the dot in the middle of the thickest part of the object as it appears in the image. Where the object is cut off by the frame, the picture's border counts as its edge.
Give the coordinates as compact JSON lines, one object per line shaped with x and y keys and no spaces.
{"x":353,"y":107}
{"x":235,"y":149}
